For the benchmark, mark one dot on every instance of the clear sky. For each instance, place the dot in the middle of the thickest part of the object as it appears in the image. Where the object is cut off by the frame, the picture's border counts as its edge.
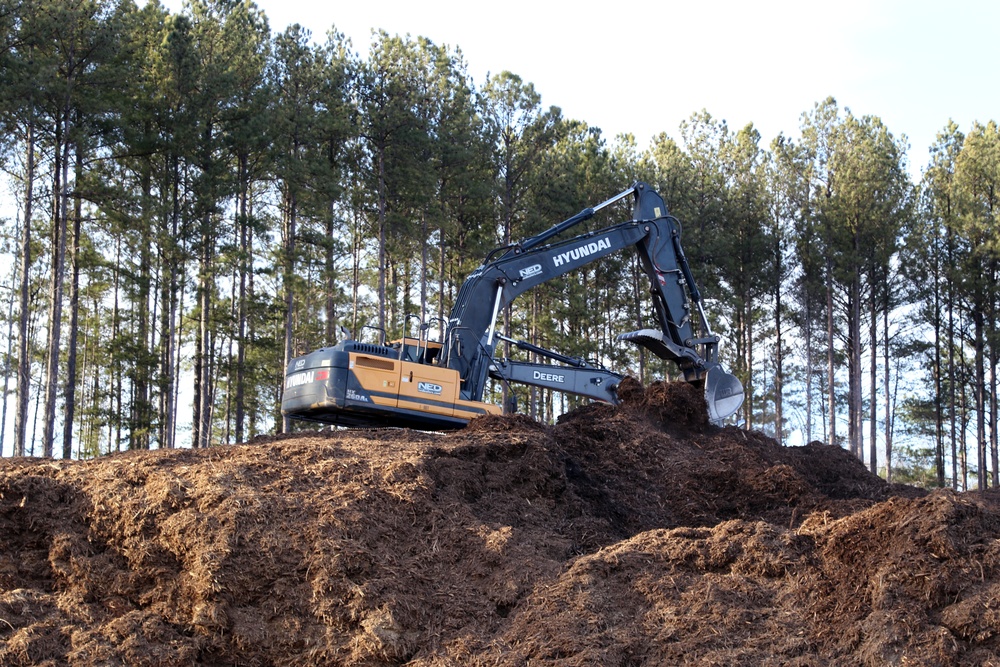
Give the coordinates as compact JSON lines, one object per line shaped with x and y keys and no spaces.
{"x":644,"y":66}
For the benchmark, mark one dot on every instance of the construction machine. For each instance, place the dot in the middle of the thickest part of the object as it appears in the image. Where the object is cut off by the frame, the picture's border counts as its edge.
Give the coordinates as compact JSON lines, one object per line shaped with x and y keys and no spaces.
{"x":417,"y":383}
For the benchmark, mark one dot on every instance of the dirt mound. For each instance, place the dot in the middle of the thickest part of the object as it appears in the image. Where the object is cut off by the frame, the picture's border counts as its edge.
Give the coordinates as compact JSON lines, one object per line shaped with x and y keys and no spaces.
{"x":675,"y":404}
{"x":636,"y":535}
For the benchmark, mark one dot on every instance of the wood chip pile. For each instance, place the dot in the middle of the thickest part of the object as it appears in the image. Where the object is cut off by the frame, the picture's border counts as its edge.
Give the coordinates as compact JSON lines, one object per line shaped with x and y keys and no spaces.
{"x":635,"y":535}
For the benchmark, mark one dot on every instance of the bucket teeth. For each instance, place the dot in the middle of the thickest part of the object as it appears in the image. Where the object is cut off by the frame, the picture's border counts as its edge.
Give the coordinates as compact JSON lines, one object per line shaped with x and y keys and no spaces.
{"x":652,"y":340}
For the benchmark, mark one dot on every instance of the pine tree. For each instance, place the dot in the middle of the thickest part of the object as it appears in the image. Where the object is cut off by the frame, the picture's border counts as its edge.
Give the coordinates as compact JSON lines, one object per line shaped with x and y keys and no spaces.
{"x":977,"y":177}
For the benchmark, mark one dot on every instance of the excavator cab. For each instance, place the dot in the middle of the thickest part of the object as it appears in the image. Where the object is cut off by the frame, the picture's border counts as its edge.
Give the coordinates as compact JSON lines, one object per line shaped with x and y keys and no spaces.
{"x":418,"y":351}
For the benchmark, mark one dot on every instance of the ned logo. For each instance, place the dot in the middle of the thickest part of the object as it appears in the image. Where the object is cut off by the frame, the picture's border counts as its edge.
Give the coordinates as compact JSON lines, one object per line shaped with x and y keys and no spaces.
{"x":429,"y":388}
{"x":532,"y":270}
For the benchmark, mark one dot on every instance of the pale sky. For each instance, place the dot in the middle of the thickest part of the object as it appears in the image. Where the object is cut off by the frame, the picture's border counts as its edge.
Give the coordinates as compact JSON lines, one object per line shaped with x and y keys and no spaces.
{"x":643,"y":67}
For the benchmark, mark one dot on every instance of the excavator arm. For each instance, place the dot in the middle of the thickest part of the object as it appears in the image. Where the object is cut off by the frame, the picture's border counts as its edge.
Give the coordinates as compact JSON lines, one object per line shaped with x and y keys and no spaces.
{"x":571,"y":376}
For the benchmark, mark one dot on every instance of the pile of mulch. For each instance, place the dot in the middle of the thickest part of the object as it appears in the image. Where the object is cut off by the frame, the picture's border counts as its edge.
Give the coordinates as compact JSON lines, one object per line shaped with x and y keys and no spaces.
{"x":636,"y":535}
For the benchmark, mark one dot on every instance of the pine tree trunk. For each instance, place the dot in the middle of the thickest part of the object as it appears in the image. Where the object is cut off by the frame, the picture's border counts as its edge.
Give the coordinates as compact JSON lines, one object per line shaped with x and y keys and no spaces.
{"x":210,"y":385}
{"x":251,"y":334}
{"x":963,"y":424}
{"x":747,"y":329}
{"x":24,"y":342}
{"x":979,"y":333}
{"x":993,"y":411}
{"x":890,"y":418}
{"x":234,"y":306}
{"x":779,"y":373}
{"x":809,"y":363}
{"x":10,"y":350}
{"x":115,"y":423}
{"x":165,"y":243}
{"x":85,"y":443}
{"x":74,"y":315}
{"x":938,"y":389}
{"x":951,"y":368}
{"x":196,"y":418}
{"x":356,"y":242}
{"x":952,"y":399}
{"x":830,"y":367}
{"x":441,"y":285}
{"x":872,"y":385}
{"x":331,"y":283}
{"x":289,"y":260}
{"x":424,"y":264}
{"x":170,"y":332}
{"x":177,"y":320}
{"x":241,"y":315}
{"x":854,"y":407}
{"x":142,"y":366}
{"x":381,"y":240}
{"x":993,"y":359}
{"x":59,"y":224}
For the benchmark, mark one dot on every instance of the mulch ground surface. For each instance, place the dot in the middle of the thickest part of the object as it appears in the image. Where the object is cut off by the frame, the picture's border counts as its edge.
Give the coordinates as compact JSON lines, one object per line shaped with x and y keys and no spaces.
{"x":636,"y":535}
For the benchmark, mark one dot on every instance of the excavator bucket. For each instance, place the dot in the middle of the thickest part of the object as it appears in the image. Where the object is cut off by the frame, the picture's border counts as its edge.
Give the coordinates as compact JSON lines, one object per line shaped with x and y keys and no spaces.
{"x":723,"y":393}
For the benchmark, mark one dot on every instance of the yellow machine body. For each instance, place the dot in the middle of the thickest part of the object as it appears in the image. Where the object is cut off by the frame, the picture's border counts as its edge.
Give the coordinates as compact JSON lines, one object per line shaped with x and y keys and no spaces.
{"x":358,"y":384}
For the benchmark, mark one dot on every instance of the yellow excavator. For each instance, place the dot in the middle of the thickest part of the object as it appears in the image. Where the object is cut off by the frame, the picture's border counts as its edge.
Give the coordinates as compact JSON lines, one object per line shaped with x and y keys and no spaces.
{"x":416,"y":383}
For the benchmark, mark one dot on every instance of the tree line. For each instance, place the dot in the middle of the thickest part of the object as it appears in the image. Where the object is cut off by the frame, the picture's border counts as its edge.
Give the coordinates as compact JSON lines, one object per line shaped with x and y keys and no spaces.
{"x":197,"y":200}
